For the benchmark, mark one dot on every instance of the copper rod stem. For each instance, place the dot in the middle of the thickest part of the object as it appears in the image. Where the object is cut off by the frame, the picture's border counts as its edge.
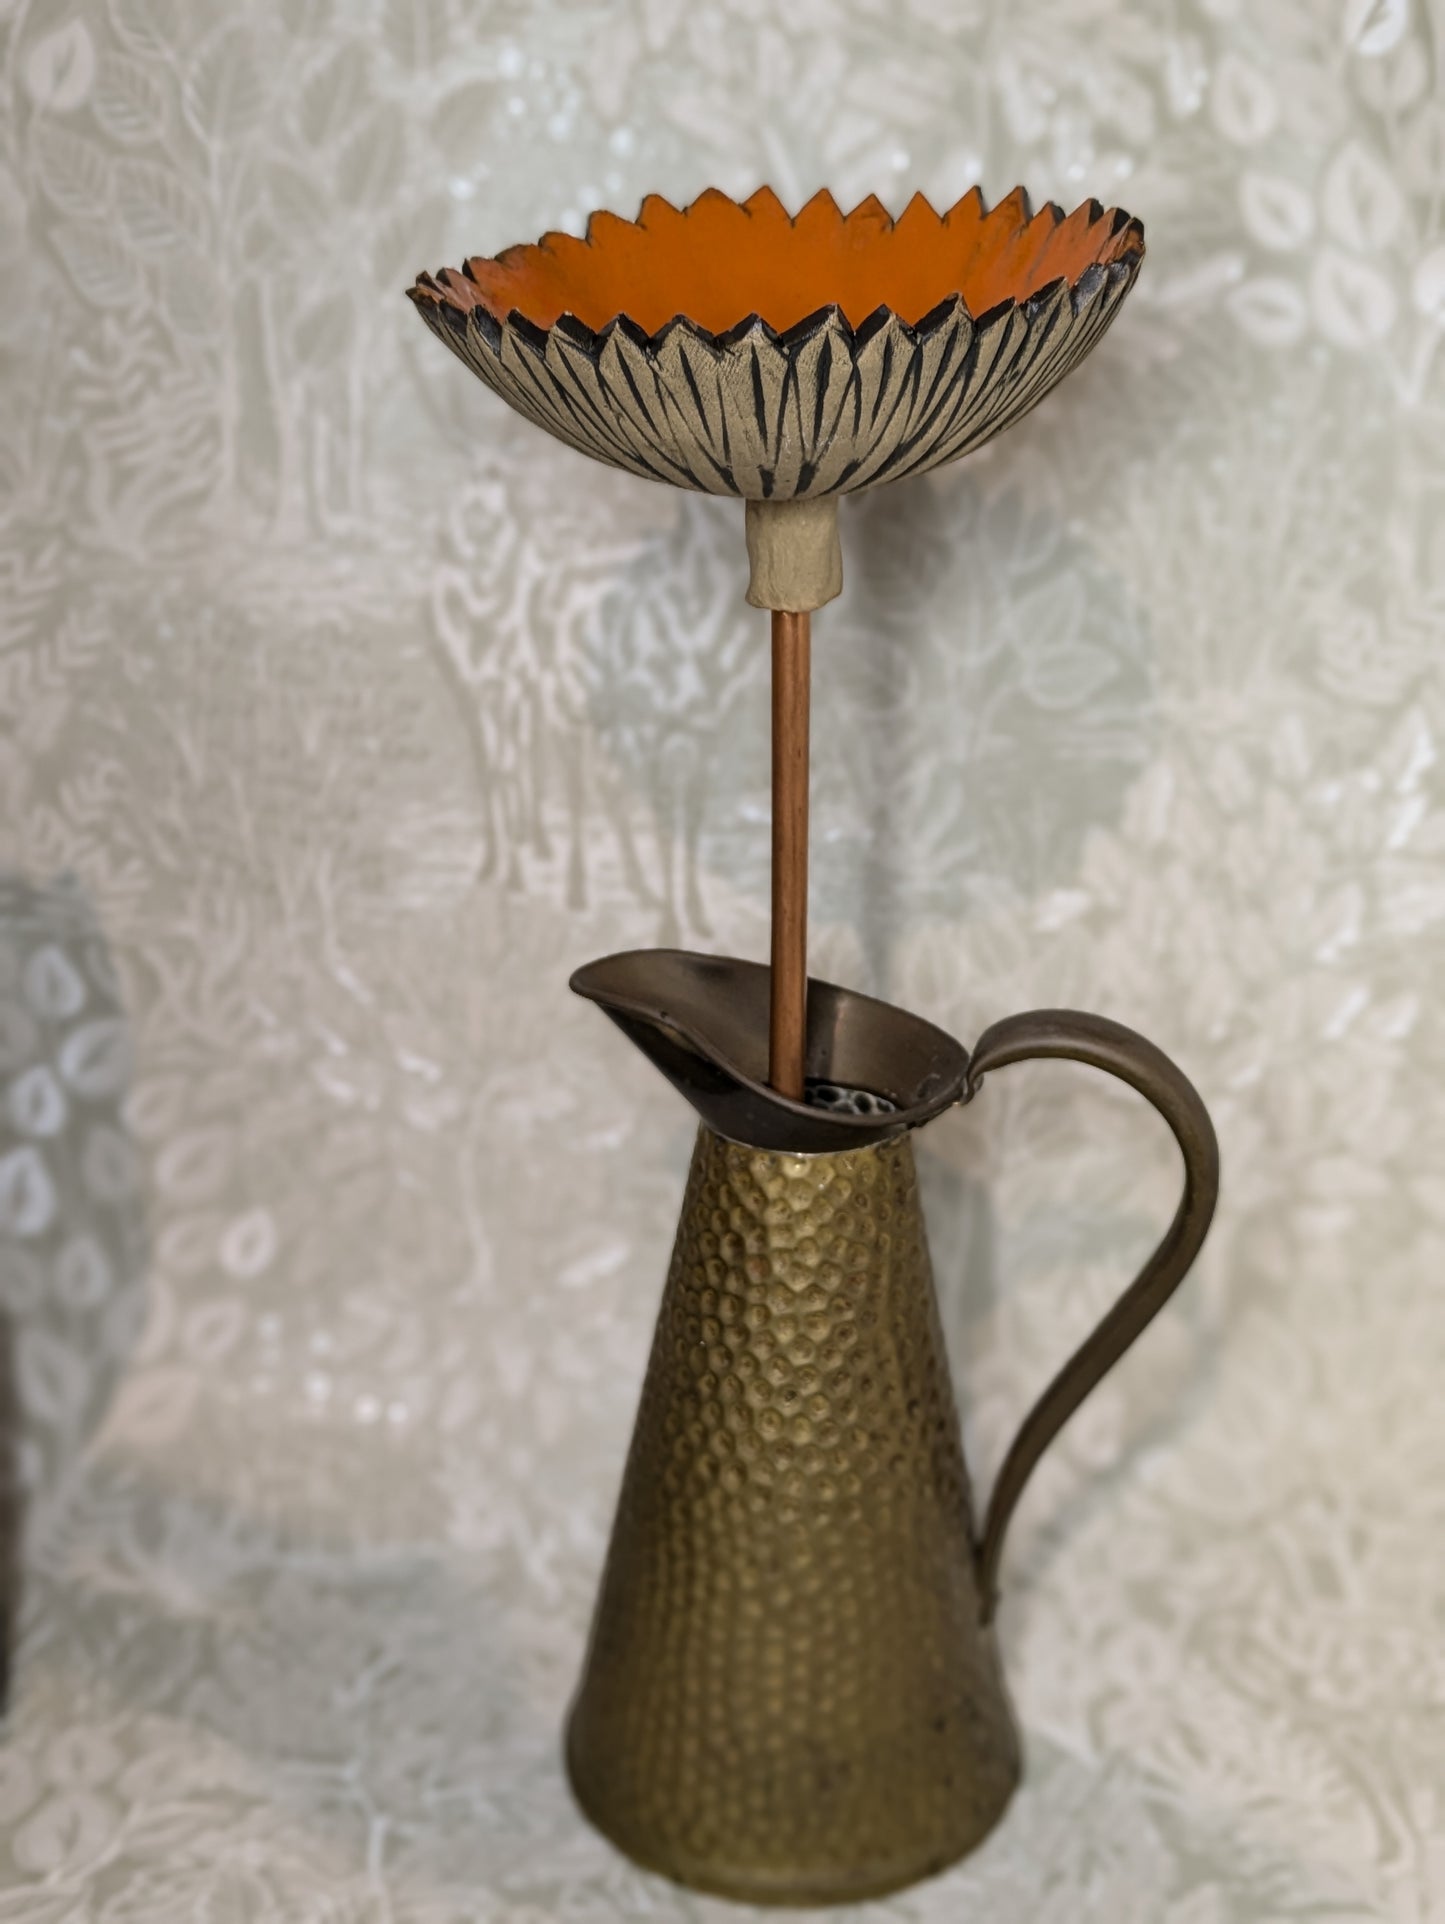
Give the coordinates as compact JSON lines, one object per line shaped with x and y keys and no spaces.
{"x":792,"y":649}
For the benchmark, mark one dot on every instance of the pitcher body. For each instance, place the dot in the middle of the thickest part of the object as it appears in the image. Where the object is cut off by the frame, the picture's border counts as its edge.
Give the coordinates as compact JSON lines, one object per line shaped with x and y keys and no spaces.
{"x":790,"y":1694}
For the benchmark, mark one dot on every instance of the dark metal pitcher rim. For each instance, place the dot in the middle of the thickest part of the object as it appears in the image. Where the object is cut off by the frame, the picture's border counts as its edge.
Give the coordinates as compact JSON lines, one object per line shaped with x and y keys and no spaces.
{"x":703,"y":1021}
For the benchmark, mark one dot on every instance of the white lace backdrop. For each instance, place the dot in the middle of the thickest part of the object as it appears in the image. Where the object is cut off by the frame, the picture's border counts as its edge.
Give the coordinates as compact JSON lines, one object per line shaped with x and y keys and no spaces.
{"x":342,"y":714}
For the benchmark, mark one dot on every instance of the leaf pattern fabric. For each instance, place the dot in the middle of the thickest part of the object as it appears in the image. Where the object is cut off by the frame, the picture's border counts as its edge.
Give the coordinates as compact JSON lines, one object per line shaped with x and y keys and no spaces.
{"x":342,"y":714}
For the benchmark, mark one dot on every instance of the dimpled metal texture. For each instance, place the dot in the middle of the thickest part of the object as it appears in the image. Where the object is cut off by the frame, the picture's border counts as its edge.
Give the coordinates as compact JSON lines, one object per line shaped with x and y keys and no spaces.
{"x":788,"y":1696}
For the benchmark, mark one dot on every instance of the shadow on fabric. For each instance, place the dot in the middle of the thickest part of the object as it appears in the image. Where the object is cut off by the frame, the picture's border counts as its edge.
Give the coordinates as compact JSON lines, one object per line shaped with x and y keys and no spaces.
{"x":72,"y":1229}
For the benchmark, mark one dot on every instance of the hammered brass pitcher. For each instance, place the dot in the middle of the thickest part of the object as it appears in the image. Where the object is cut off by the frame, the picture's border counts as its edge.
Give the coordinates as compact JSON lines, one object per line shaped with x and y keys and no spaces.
{"x":792,"y":1692}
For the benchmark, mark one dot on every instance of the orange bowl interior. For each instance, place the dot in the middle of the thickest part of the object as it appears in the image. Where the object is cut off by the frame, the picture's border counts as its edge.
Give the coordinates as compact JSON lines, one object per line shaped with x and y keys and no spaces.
{"x":719,"y":261}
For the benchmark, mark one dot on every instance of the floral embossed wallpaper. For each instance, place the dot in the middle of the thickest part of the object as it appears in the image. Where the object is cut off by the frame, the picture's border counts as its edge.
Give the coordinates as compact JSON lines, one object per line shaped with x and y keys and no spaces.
{"x":342,"y":715}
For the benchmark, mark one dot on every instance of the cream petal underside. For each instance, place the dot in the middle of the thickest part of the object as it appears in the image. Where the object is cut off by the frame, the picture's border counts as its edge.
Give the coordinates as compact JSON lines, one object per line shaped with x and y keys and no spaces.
{"x":823,"y":409}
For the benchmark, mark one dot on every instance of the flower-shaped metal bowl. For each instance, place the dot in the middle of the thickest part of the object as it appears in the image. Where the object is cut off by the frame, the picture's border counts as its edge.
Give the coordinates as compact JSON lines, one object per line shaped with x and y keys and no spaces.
{"x":730,"y":348}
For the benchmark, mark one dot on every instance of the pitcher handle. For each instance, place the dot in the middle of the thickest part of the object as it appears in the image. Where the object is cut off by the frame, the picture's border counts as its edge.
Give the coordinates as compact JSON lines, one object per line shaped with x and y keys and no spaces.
{"x":1123,"y":1053}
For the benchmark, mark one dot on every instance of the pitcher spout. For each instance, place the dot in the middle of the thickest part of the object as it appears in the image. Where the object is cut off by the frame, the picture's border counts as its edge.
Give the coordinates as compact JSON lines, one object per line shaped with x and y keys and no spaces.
{"x":790,"y":1695}
{"x":872,"y":1071}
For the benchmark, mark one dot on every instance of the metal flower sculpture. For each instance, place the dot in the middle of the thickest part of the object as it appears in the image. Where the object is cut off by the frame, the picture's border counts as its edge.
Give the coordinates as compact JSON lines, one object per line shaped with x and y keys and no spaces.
{"x":792,"y":1693}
